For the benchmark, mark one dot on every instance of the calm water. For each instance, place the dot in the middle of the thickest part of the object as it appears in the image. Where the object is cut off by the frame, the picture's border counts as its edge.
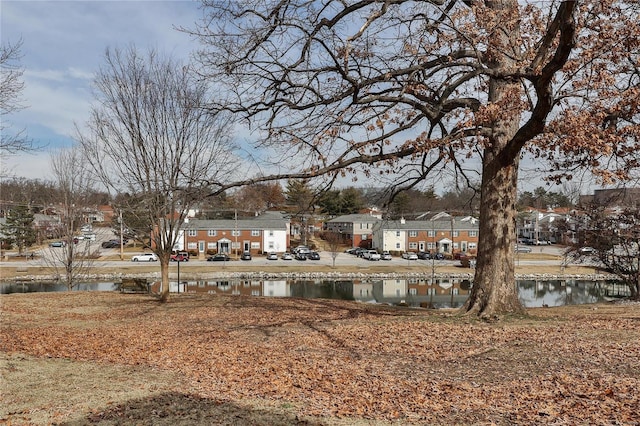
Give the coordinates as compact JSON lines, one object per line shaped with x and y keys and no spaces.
{"x":442,"y":293}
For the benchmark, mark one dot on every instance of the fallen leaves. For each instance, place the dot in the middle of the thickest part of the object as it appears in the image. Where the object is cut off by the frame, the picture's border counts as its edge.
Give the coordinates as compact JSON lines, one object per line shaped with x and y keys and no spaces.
{"x":348,"y":360}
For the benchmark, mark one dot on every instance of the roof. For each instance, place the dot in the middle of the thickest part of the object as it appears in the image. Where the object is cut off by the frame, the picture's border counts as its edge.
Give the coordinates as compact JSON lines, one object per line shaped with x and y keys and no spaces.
{"x":459,"y":223}
{"x":265,"y":221}
{"x":354,"y":218}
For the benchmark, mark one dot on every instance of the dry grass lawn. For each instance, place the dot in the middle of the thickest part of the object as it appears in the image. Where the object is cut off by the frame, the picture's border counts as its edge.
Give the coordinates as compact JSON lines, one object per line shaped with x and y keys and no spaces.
{"x":109,"y":359}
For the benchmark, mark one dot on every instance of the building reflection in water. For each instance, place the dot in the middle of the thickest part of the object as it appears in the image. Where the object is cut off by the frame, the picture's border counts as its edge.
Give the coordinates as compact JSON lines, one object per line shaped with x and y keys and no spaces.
{"x":440,"y":292}
{"x":445,"y":292}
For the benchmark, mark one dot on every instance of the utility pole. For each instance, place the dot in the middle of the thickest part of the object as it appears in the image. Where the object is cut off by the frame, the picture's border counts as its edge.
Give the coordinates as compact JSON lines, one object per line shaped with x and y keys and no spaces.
{"x":121,"y":235}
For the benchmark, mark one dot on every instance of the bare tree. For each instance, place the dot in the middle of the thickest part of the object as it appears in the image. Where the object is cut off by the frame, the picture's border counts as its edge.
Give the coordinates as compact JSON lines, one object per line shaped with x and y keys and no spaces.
{"x":613,"y":239}
{"x":11,"y":87}
{"x":73,"y":260}
{"x":149,"y":137}
{"x":404,"y":89}
{"x":335,"y":242}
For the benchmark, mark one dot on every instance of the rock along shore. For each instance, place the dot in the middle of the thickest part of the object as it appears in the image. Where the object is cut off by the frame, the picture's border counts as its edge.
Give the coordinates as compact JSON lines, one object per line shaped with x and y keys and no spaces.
{"x":337,"y":275}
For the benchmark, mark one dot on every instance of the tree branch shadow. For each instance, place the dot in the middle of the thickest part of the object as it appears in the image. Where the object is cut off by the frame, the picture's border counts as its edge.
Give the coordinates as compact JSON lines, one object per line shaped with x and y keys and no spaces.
{"x":175,"y":408}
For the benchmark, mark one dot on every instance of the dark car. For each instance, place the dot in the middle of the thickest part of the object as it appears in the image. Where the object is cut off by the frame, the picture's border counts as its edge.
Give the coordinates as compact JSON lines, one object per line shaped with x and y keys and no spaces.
{"x":314,"y":255}
{"x":111,"y":244}
{"x":424,"y":255}
{"x":245,"y":256}
{"x":220,"y":257}
{"x":301,"y":256}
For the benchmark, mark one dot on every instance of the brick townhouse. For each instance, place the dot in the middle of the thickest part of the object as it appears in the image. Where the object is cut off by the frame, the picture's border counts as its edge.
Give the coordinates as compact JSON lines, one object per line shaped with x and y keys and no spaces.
{"x":264,"y":233}
{"x":443,"y":234}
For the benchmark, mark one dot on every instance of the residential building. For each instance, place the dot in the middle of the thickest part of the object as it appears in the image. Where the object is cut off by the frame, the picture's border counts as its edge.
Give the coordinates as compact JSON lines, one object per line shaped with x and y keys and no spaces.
{"x":542,"y":225}
{"x":264,"y":233}
{"x":354,"y":228}
{"x":442,"y":234}
{"x":613,"y":197}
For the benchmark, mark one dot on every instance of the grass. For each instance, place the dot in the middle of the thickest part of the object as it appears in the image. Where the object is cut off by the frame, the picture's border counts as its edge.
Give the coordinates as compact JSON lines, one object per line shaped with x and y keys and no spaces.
{"x":109,"y":359}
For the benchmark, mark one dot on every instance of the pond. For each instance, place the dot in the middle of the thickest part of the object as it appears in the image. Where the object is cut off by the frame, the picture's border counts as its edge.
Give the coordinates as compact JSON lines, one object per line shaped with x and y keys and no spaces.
{"x":441,"y":293}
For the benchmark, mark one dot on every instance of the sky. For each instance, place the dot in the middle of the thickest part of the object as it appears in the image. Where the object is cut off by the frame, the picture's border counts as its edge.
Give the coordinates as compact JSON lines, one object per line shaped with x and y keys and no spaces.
{"x":63,"y":46}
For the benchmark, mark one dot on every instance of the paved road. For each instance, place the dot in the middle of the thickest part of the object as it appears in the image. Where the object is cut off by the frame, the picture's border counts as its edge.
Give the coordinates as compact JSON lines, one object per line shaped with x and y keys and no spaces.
{"x":342,"y":259}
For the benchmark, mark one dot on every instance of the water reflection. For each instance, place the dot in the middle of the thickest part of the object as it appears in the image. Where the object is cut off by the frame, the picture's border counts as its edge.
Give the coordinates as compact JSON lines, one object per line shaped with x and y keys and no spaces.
{"x":437,"y":293}
{"x":37,"y":287}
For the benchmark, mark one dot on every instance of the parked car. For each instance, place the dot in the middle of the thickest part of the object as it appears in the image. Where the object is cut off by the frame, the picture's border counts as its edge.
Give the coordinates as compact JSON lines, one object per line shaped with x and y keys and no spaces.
{"x":587,"y":250}
{"x":220,"y":257}
{"x":371,"y":255}
{"x":179,"y":257}
{"x":272,"y":256}
{"x":111,"y":244}
{"x":523,"y":249}
{"x":57,"y":244}
{"x":245,"y":256}
{"x":314,"y":255}
{"x":438,"y":256}
{"x":386,"y":256}
{"x":301,"y":249}
{"x":409,"y":255}
{"x":286,"y":256}
{"x":301,"y":256}
{"x":424,"y":255}
{"x":360,"y":251}
{"x":144,"y":257}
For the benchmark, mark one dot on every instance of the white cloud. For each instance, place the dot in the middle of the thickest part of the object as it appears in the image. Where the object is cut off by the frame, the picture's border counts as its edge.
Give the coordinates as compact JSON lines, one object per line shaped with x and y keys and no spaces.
{"x":63,"y":47}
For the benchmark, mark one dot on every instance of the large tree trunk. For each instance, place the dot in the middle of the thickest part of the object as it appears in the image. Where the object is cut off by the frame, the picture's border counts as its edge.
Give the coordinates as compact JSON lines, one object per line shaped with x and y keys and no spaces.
{"x":494,"y":288}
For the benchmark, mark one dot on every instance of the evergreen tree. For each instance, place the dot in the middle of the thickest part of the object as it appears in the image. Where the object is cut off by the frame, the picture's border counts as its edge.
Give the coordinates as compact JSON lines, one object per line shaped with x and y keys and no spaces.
{"x":18,"y":230}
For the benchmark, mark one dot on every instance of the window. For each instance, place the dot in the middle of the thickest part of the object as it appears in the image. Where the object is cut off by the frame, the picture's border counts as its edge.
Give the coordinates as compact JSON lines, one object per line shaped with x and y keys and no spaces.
{"x":473,"y":246}
{"x":193,"y":233}
{"x":192,"y":246}
{"x":413,"y":233}
{"x":271,"y":233}
{"x":397,"y":233}
{"x":431,"y":233}
{"x":271,"y":246}
{"x":211,"y":233}
{"x":397,"y":246}
{"x":211,"y":246}
{"x":235,"y":233}
{"x":456,"y":233}
{"x":255,"y":245}
{"x":255,"y":233}
{"x":473,"y":233}
{"x":413,"y":246}
{"x":413,"y":291}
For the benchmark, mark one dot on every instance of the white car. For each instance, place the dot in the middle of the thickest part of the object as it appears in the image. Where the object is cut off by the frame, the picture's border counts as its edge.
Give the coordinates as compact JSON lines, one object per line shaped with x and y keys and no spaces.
{"x":371,"y":255}
{"x":386,"y":256}
{"x":272,"y":256}
{"x":409,"y":255}
{"x":287,"y":256}
{"x":145,"y":257}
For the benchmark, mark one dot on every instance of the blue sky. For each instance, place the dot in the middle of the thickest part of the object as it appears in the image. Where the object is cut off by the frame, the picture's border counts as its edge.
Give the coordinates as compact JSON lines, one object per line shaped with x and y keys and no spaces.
{"x":63,"y":46}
